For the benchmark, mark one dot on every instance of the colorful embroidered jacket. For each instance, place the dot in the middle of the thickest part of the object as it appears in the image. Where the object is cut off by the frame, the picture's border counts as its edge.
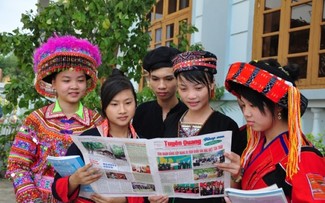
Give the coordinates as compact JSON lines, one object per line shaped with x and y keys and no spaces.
{"x":267,"y":166}
{"x":45,"y":131}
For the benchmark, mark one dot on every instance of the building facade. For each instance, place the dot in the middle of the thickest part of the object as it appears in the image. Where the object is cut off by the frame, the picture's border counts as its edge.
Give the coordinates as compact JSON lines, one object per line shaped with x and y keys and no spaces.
{"x":242,"y":30}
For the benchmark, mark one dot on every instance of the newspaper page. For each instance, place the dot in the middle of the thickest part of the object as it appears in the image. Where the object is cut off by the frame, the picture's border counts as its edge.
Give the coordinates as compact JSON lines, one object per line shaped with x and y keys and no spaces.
{"x":177,"y":167}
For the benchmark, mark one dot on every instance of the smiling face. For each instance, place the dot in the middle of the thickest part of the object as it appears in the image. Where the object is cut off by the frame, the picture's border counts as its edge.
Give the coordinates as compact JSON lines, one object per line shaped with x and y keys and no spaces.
{"x":194,"y":95}
{"x":258,"y":120}
{"x":163,"y":82}
{"x":70,"y":86}
{"x":121,"y":109}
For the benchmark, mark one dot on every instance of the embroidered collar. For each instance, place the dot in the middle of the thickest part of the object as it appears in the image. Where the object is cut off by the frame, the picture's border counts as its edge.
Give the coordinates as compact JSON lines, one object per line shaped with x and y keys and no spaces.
{"x":79,"y":112}
{"x":82,"y":115}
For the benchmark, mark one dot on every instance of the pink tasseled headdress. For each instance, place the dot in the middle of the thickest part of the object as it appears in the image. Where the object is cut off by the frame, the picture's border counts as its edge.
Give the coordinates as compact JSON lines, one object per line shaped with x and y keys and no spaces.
{"x":63,"y":53}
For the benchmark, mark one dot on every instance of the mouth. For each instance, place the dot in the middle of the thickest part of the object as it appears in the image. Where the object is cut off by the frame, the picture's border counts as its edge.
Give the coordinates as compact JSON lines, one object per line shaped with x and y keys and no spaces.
{"x":162,"y":94}
{"x":123,"y":118}
{"x":250,"y":123}
{"x":192,"y":104}
{"x":74,"y":94}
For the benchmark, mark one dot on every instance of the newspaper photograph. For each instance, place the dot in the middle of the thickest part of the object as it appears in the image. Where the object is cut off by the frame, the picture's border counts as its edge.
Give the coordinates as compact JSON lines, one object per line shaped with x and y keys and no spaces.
{"x":177,"y":167}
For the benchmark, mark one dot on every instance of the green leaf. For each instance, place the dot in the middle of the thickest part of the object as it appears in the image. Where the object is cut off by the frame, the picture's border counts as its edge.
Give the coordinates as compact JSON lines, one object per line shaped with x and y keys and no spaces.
{"x":106,"y":24}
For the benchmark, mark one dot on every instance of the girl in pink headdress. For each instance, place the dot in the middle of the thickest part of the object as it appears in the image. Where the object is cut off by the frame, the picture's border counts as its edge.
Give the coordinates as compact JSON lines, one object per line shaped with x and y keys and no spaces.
{"x":65,"y":69}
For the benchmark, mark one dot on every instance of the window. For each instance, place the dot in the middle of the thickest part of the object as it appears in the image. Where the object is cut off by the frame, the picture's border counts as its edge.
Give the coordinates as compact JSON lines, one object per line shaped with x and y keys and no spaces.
{"x":292,"y":31}
{"x":165,"y":18}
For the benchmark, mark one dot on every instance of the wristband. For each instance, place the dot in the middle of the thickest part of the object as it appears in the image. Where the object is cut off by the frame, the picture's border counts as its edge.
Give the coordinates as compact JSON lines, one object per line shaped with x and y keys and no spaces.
{"x":236,"y":180}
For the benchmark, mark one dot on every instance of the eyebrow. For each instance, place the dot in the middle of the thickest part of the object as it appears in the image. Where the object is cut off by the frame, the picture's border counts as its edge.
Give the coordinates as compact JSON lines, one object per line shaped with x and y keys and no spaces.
{"x":167,"y":76}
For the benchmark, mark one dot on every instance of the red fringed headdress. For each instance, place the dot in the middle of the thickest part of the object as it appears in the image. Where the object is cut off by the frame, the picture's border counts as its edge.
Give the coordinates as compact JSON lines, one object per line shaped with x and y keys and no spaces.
{"x":259,"y":77}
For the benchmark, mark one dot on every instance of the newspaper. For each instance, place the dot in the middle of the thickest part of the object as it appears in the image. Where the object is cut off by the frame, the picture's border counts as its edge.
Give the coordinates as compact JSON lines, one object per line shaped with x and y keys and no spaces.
{"x":177,"y":167}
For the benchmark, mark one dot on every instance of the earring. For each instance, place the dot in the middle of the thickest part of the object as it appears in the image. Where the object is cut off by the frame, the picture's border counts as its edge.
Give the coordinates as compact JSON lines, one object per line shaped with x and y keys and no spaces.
{"x":279,"y":115}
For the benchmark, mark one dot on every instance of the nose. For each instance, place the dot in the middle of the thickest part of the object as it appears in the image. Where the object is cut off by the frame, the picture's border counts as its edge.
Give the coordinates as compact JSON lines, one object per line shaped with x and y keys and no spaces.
{"x":74,"y":84}
{"x":162,"y":84}
{"x":122,"y":109}
{"x":246,"y":112}
{"x":191,"y":95}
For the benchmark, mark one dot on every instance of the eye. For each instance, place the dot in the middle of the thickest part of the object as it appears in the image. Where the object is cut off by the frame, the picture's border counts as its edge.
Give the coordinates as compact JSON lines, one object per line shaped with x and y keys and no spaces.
{"x":182,"y":89}
{"x":170,"y":78}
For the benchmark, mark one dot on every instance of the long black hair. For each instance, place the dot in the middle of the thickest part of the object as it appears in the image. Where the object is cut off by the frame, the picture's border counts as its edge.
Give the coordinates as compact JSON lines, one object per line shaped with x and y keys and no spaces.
{"x":113,"y":85}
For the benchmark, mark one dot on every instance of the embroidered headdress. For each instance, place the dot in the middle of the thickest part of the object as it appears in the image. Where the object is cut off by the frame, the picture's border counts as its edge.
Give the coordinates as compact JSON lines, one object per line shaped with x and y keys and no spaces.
{"x":276,"y":85}
{"x":195,"y":60}
{"x":65,"y":53}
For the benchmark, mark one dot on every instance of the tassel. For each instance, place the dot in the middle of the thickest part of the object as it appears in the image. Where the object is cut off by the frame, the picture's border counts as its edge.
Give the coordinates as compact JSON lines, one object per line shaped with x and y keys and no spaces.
{"x":253,"y":139}
{"x":295,"y":132}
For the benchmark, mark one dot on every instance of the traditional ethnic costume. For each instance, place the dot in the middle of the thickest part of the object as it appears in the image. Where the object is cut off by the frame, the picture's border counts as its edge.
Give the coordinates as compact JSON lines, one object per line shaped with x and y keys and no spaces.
{"x":289,"y":161}
{"x":148,"y":119}
{"x":47,"y":130}
{"x":60,"y":184}
{"x":216,"y":122}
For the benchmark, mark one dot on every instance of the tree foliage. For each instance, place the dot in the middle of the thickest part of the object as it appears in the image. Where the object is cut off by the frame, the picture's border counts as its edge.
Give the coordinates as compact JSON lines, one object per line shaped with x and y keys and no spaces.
{"x":118,"y":27}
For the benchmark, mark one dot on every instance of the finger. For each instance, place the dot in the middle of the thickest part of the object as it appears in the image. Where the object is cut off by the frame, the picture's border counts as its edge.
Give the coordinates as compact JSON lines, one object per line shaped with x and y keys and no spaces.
{"x":232,"y":156}
{"x":86,"y":167}
{"x":227,"y":200}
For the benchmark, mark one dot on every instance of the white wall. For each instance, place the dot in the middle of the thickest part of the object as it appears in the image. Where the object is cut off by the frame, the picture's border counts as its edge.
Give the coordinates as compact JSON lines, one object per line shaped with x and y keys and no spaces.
{"x":226,"y":29}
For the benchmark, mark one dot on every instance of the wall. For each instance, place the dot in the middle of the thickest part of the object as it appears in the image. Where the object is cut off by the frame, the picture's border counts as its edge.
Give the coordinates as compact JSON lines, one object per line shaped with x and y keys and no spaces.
{"x":226,"y":29}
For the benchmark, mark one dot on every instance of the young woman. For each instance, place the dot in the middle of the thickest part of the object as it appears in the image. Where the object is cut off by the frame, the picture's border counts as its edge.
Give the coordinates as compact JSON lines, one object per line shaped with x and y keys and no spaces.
{"x":118,"y":107}
{"x":277,"y":150}
{"x":65,"y":68}
{"x":195,"y":71}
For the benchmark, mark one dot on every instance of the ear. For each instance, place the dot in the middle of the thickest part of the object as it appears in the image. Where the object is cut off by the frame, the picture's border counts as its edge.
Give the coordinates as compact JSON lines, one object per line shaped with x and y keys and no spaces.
{"x":278,"y":108}
{"x":212,"y":86}
{"x":53,"y":83}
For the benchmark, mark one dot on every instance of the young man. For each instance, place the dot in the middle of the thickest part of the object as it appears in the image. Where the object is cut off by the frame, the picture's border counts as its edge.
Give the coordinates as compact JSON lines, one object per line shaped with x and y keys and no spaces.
{"x":150,"y":117}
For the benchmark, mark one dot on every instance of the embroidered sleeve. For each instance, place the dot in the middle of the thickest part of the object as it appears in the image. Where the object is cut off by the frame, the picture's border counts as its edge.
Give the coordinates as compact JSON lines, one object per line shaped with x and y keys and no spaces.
{"x":21,"y":157}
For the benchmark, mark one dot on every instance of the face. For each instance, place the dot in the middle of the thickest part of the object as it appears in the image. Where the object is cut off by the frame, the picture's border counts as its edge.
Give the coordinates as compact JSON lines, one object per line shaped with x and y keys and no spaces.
{"x":121,"y":109}
{"x":70,"y":86}
{"x":195,"y":96}
{"x":163,"y":82}
{"x":254,"y":117}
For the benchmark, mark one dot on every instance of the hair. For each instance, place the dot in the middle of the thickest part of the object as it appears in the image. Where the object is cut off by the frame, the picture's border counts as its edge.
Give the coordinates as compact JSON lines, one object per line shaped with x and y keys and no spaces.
{"x":289,"y":72}
{"x":113,"y":85}
{"x":198,"y":77}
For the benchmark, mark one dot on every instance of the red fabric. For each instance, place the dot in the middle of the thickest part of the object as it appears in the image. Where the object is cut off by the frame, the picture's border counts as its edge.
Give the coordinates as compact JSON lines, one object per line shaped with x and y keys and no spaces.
{"x":61,"y":187}
{"x":308,"y":185}
{"x":135,"y":200}
{"x":305,"y":188}
{"x":62,"y":191}
{"x":243,"y":72}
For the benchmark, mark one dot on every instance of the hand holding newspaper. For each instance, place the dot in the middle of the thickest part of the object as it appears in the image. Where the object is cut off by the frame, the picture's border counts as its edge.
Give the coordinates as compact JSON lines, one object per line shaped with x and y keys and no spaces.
{"x":177,"y":167}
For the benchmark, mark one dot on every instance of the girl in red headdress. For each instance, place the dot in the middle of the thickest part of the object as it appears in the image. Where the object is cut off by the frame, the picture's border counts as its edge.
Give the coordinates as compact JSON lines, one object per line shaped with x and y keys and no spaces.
{"x":277,"y":151}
